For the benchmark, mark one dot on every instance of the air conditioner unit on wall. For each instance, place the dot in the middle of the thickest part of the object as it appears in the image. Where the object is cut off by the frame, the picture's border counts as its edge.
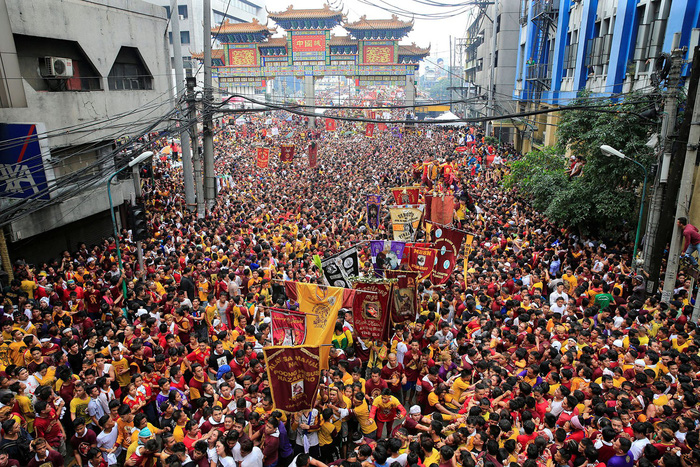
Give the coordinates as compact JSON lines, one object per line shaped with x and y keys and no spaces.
{"x":182,"y":17}
{"x":57,"y":67}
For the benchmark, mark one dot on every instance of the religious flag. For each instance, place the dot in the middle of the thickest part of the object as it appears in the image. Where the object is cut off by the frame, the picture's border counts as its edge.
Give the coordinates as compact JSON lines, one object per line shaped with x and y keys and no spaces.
{"x":448,"y":242}
{"x":469,"y":139}
{"x":382,"y":127}
{"x":287,"y":153}
{"x":442,"y":209}
{"x":468,"y":240}
{"x":386,"y":254}
{"x":405,"y":221}
{"x":422,"y":259}
{"x":461,"y":149}
{"x":374,"y":204}
{"x":294,"y":374}
{"x":339,"y":267}
{"x":263,"y":157}
{"x":321,"y":305}
{"x":288,"y":327}
{"x":330,"y":124}
{"x":369,"y":130}
{"x":405,"y":295}
{"x":313,"y":155}
{"x":406,"y":194}
{"x":371,"y":310}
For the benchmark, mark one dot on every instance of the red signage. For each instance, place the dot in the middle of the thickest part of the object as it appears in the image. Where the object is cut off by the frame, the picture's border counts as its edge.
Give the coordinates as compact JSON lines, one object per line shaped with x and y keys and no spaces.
{"x":312,"y":43}
{"x":242,"y":57}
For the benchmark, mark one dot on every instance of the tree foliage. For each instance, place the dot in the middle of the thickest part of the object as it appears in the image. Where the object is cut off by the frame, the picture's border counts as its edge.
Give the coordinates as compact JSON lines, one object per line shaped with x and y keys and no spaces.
{"x":603,"y":200}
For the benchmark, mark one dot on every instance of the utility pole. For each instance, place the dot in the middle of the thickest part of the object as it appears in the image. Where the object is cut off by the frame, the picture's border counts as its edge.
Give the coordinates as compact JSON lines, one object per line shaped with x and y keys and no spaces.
{"x":449,"y":72}
{"x":194,"y":138}
{"x":657,"y":231}
{"x":207,"y":125}
{"x":180,"y":86}
{"x":685,"y":191}
{"x":492,"y":71}
{"x":136,"y":177}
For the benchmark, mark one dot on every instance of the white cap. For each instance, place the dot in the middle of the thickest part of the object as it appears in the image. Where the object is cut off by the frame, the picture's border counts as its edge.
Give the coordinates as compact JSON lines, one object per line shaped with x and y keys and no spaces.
{"x":639,"y":362}
{"x":141,"y":312}
{"x":414,"y":410}
{"x":618,"y":343}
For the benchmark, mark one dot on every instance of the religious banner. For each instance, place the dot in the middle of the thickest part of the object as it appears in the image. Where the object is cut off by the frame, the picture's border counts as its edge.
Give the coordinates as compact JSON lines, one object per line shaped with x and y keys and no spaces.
{"x":294,"y":374}
{"x":263,"y":157}
{"x":382,"y":127}
{"x":330,"y":124}
{"x":287,"y":153}
{"x":422,"y":259}
{"x":369,"y":130}
{"x":405,"y":221}
{"x":406,"y":194}
{"x":338,"y":268}
{"x":442,"y":209}
{"x":405,"y":295}
{"x":374,"y":204}
{"x":313,"y":155}
{"x":371,"y":310}
{"x":448,"y":242}
{"x":468,"y":240}
{"x":461,"y":149}
{"x":386,"y":254}
{"x":288,"y":327}
{"x":321,"y":305}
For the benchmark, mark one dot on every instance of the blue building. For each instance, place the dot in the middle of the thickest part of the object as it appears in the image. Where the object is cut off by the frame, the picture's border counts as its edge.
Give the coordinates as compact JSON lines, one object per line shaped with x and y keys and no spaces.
{"x":603,"y":46}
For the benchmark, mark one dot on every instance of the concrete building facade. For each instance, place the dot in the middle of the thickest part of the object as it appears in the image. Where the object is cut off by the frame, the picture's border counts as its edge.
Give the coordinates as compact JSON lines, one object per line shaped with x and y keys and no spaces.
{"x":84,"y":75}
{"x":501,"y":16}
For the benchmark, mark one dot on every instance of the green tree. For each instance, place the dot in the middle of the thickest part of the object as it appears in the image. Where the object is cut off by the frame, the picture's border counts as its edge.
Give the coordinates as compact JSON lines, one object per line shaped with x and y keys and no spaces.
{"x":603,"y":200}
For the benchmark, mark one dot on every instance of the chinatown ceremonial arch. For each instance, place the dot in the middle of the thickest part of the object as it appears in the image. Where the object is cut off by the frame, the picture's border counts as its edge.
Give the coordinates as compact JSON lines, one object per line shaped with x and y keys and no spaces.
{"x":370,"y":54}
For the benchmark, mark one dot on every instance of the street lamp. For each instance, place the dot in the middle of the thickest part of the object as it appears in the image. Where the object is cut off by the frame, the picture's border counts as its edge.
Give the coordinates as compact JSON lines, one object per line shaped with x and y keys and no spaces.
{"x":610,"y":151}
{"x":142,"y":157}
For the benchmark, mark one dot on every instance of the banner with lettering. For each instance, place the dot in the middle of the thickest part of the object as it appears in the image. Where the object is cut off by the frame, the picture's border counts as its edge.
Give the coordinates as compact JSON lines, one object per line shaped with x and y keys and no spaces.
{"x":330,"y":124}
{"x":421,"y":259}
{"x":294,"y":374}
{"x":369,"y":130}
{"x":386,"y":254}
{"x":405,"y":221}
{"x":406,"y":194}
{"x":371,"y":310}
{"x":339,"y":267}
{"x":468,"y":241}
{"x":313,"y":155}
{"x":374,"y":206}
{"x":405,"y":295}
{"x":263,"y":158}
{"x":287,"y":153}
{"x":288,"y":327}
{"x":448,"y":242}
{"x":442,"y":209}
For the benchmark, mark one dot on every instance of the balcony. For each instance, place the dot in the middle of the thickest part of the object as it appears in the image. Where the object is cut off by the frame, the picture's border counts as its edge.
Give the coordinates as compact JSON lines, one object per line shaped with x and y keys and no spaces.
{"x":539,"y":72}
{"x":545,"y":8}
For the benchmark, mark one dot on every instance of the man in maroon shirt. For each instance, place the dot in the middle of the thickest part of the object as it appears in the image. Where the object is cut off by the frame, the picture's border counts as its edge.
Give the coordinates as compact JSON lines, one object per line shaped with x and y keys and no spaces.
{"x":83,"y":439}
{"x":394,"y":375}
{"x":692,"y":238}
{"x":49,"y":427}
{"x":374,"y":385}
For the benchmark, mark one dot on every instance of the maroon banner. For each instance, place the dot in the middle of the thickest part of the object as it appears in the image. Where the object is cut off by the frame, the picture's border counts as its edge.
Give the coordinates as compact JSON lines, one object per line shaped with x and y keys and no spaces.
{"x":330,"y":124}
{"x":405,"y":295}
{"x":448,"y":243}
{"x":294,"y":374}
{"x":428,"y":206}
{"x":442,"y":209}
{"x":371,"y":309}
{"x":313,"y":155}
{"x":369,"y":130}
{"x":406,"y":194}
{"x":288,"y":327}
{"x":421,"y":259}
{"x":263,"y":157}
{"x":286,"y":153}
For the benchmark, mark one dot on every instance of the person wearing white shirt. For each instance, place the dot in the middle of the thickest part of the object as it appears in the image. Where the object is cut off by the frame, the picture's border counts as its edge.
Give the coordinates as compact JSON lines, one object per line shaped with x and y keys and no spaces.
{"x":252,"y":455}
{"x":640,"y":439}
{"x":558,"y":293}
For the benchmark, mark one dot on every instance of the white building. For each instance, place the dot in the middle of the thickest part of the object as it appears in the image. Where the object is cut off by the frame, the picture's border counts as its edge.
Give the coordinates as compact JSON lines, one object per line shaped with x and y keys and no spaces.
{"x":191,"y":17}
{"x":82,"y":75}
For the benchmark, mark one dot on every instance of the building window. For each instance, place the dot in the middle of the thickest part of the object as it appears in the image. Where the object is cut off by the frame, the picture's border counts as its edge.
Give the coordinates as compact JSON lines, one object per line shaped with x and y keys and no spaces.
{"x":182,"y":11}
{"x":495,"y":59}
{"x":129,"y":72}
{"x":184,"y":37}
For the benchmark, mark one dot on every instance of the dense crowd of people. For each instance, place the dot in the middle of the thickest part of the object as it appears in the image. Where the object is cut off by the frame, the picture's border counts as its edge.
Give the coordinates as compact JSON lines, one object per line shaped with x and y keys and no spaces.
{"x":542,"y":349}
